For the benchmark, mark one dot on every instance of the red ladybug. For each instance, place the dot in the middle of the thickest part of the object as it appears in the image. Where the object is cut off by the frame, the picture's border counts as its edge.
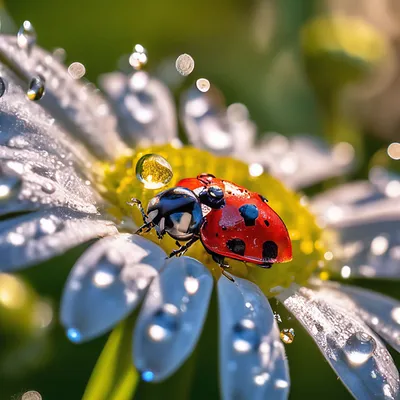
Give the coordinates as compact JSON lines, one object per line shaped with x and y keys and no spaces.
{"x":229,"y":220}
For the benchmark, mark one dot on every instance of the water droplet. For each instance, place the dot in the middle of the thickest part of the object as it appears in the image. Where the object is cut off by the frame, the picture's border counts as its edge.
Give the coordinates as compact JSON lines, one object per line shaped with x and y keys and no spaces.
{"x":74,"y":335}
{"x":245,"y":336}
{"x":287,"y":335}
{"x":396,"y":315}
{"x":379,"y":245}
{"x":48,"y":188}
{"x":36,"y":88}
{"x":26,"y":37}
{"x":359,"y":348}
{"x":17,"y":142}
{"x":277,"y":317}
{"x":147,"y":376}
{"x":15,"y":238}
{"x":49,"y":225}
{"x":345,"y":272}
{"x":164,"y":323}
{"x":76,"y":70}
{"x":2,"y":87}
{"x":203,"y":85}
{"x":10,"y":185}
{"x":191,"y":285}
{"x":31,"y":395}
{"x":393,"y":150}
{"x":281,"y":384}
{"x":153,"y":171}
{"x":138,"y":59}
{"x":184,"y":64}
{"x":261,"y":379}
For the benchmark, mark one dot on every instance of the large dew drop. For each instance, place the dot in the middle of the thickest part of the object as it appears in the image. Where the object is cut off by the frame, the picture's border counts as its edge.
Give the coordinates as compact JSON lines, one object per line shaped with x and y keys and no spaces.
{"x":36,"y":88}
{"x":359,"y":348}
{"x":153,"y":171}
{"x":184,"y":64}
{"x":26,"y":37}
{"x":2,"y":87}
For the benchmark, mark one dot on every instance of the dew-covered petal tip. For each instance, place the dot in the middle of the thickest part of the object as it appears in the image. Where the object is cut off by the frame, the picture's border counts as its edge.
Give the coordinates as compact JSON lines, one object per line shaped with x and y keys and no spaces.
{"x":31,"y":238}
{"x":356,"y":354}
{"x":107,"y":283}
{"x":171,"y":318}
{"x":252,"y":357}
{"x":144,"y":107}
{"x":380,"y":312}
{"x":213,"y":127}
{"x":74,"y":103}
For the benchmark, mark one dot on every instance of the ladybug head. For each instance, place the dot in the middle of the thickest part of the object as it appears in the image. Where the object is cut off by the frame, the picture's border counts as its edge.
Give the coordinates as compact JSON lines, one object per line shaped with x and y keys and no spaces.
{"x":212,"y":196}
{"x":176,"y":211}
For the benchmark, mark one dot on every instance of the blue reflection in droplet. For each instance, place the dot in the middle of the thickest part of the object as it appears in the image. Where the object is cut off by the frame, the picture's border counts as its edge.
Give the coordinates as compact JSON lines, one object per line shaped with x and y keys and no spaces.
{"x":74,"y":335}
{"x":147,"y":376}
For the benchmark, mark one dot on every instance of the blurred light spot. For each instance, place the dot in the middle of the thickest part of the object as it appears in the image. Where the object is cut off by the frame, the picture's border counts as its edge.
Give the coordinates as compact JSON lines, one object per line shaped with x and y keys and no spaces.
{"x":191,"y":284}
{"x":60,"y":54}
{"x":393,"y":151}
{"x":324,"y":276}
{"x":73,"y":335}
{"x":395,"y":252}
{"x":103,"y":278}
{"x":31,"y":395}
{"x":147,"y":376}
{"x":278,"y":144}
{"x":76,"y":70}
{"x":328,"y":256}
{"x":281,"y":384}
{"x":4,"y":191}
{"x":13,"y":293}
{"x":379,"y":245}
{"x":367,"y":271}
{"x":157,"y":333}
{"x":256,"y":169}
{"x":139,"y":80}
{"x":393,"y":189}
{"x":138,"y":58}
{"x":184,"y":64}
{"x":396,"y":315}
{"x":345,"y":272}
{"x":334,"y":214}
{"x":15,"y":238}
{"x":343,"y":153}
{"x":203,"y":85}
{"x":237,"y":112}
{"x":43,"y":314}
{"x":289,"y":163}
{"x":260,"y":380}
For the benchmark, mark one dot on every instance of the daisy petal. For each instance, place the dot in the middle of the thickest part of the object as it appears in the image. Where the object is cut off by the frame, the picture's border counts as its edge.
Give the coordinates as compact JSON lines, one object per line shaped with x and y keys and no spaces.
{"x":380,"y":312}
{"x":171,"y":318}
{"x":107,"y":283}
{"x":359,"y":358}
{"x":211,"y":126}
{"x":252,"y":357}
{"x":81,"y":109}
{"x":28,"y":239}
{"x":144,"y":107}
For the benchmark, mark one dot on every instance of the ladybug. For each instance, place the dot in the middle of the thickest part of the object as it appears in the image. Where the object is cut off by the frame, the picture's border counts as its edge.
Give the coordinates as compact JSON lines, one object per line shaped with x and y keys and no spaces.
{"x":228,"y":219}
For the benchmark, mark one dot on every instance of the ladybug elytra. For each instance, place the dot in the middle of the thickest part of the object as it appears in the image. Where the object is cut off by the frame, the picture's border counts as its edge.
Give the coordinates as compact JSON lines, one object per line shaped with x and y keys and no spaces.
{"x":228,"y":219}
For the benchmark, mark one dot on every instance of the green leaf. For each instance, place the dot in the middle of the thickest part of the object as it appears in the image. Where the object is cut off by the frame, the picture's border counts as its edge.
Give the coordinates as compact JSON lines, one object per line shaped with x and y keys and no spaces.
{"x":114,"y":376}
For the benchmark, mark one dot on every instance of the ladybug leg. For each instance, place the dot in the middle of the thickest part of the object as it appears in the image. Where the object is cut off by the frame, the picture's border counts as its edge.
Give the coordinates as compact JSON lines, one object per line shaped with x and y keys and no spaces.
{"x":183,"y":248}
{"x":144,"y":228}
{"x":137,"y":203}
{"x":220,"y":260}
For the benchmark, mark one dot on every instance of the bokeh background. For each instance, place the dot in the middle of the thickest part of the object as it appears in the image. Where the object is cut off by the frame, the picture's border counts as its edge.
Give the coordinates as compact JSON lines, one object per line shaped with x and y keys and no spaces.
{"x":330,"y":68}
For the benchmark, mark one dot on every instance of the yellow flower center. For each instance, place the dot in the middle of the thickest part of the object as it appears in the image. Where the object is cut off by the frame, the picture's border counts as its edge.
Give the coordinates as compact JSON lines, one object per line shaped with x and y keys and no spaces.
{"x":121,"y":184}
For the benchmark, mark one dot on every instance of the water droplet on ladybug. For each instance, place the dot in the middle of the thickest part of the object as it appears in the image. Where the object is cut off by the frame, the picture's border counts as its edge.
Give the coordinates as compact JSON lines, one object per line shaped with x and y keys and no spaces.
{"x":36,"y":88}
{"x":153,"y":171}
{"x":287,"y":335}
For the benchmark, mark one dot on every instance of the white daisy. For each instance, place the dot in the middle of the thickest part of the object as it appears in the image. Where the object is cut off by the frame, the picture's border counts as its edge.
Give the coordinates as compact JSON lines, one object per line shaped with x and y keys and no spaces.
{"x":67,"y":171}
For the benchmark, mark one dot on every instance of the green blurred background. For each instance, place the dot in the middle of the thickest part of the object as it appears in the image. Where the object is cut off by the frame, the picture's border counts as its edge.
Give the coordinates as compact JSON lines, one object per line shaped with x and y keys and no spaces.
{"x":321,"y":77}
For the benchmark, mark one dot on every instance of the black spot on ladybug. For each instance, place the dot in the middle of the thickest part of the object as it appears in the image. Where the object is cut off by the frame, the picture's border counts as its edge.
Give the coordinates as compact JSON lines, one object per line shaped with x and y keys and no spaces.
{"x":263,"y":198}
{"x":236,"y":246}
{"x":249,"y":212}
{"x":266,"y":222}
{"x":216,"y":235}
{"x":224,"y":228}
{"x":270,"y":250}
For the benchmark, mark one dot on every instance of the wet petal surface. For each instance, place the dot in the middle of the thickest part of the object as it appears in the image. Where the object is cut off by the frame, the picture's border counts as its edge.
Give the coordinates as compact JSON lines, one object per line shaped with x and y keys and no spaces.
{"x":171,"y":318}
{"x":28,"y":239}
{"x":74,"y":103}
{"x":144,"y":107}
{"x":356,"y":354}
{"x":107,"y":283}
{"x":252,"y":357}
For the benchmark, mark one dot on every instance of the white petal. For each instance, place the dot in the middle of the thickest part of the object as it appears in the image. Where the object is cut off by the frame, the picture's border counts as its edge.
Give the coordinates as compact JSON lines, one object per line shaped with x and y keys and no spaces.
{"x":144,"y":106}
{"x":380,"y":312}
{"x":172,"y":318}
{"x":211,"y":126}
{"x":302,"y":160}
{"x":107,"y":283}
{"x":81,"y":110}
{"x":252,"y":357}
{"x":28,"y":239}
{"x":356,"y":354}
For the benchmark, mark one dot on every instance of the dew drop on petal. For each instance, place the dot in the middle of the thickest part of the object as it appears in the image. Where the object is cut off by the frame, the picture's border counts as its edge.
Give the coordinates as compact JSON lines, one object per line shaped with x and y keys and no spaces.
{"x":36,"y":88}
{"x":359,"y":348}
{"x":287,"y":335}
{"x":203,"y":85}
{"x":164,"y":323}
{"x":147,"y":376}
{"x":261,"y":379}
{"x":74,"y":335}
{"x":184,"y":64}
{"x":2,"y":87}
{"x":48,"y":188}
{"x":281,"y":384}
{"x":245,"y":336}
{"x":76,"y":70}
{"x":153,"y":171}
{"x":191,"y":285}
{"x":26,"y":37}
{"x":9,"y":186}
{"x":277,"y":317}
